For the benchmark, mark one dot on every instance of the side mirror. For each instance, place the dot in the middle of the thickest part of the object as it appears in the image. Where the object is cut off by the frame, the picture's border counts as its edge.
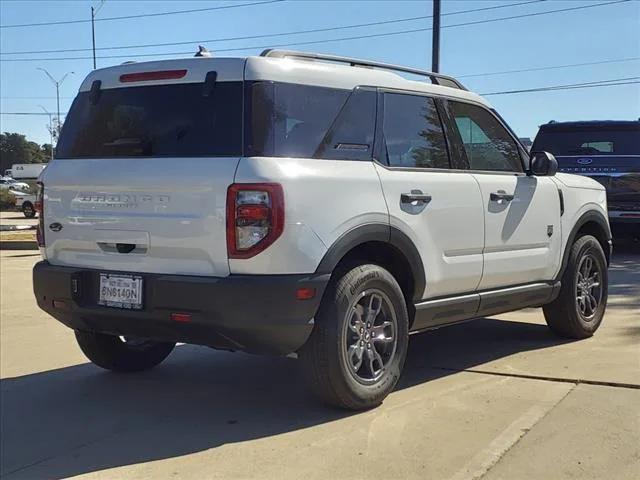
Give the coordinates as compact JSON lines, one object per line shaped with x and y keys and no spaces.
{"x":543,"y":164}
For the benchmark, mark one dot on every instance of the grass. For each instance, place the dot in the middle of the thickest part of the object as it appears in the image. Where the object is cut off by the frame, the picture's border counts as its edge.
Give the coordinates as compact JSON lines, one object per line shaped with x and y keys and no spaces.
{"x":27,"y":236}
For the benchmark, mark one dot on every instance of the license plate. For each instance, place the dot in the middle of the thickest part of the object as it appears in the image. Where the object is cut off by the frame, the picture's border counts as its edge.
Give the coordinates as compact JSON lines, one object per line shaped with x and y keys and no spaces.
{"x":120,"y":291}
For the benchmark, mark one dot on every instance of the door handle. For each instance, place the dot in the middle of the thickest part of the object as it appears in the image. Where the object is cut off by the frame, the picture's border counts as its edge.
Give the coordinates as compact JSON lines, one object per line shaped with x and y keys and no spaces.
{"x":415,"y":196}
{"x":500,"y":196}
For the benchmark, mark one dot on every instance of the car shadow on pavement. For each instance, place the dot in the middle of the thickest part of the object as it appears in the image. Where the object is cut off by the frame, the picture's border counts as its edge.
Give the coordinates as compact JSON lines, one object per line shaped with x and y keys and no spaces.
{"x":80,"y":419}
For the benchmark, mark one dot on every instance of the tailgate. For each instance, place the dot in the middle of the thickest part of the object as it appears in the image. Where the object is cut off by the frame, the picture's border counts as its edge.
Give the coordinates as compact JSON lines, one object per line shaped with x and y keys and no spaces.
{"x":155,"y":215}
{"x":142,"y":168}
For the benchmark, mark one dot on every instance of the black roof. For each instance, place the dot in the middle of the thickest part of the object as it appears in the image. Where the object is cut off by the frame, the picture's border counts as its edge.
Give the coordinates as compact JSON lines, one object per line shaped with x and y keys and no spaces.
{"x":592,"y":124}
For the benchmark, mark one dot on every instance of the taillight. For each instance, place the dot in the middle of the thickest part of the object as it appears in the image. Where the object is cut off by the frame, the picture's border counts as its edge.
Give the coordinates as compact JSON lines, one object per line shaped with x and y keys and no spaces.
{"x":255,"y":217}
{"x":39,"y":207}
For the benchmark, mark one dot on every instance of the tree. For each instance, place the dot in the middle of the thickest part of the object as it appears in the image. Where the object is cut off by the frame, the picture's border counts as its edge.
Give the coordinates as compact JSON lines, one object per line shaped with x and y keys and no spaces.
{"x":46,"y":151}
{"x":15,"y":148}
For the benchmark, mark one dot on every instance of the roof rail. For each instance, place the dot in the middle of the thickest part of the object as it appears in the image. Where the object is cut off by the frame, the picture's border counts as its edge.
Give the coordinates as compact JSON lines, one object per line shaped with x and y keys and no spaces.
{"x":436,"y":78}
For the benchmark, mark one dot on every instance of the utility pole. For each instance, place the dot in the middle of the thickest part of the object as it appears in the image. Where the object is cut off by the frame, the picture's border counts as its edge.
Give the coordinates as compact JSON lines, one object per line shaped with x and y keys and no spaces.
{"x":57,"y":83}
{"x":435,"y":39}
{"x":93,"y":35}
{"x":94,"y":12}
{"x":50,"y":128}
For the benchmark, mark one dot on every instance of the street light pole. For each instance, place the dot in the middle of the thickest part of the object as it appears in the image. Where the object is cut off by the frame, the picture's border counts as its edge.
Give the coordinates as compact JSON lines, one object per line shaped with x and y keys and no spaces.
{"x":435,"y":39}
{"x":50,"y":128}
{"x":57,"y":83}
{"x":58,"y":100}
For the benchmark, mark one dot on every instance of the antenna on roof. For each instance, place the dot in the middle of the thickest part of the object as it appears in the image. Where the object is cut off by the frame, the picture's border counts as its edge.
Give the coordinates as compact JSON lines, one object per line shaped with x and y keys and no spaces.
{"x":203,"y":52}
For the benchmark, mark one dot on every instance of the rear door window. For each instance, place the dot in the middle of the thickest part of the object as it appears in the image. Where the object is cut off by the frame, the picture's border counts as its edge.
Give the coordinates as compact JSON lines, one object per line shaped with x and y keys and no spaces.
{"x":413,"y":132}
{"x":155,"y":121}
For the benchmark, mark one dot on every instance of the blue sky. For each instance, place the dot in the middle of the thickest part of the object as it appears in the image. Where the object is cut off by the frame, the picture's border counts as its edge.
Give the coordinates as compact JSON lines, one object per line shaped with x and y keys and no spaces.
{"x":603,"y":33}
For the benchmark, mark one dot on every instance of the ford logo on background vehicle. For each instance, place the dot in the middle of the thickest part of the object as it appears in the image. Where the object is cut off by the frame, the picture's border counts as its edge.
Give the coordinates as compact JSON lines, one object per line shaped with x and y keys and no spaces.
{"x":585,"y":161}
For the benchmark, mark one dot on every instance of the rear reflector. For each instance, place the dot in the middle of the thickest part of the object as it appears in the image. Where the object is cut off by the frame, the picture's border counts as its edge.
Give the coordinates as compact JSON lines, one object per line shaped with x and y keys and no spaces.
{"x":181,"y":317}
{"x":149,"y":76}
{"x":305,"y":293}
{"x":59,"y":304}
{"x":39,"y":207}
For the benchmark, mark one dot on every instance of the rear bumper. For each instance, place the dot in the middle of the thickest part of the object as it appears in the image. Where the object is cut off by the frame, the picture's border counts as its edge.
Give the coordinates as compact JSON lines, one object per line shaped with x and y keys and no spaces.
{"x":252,"y":313}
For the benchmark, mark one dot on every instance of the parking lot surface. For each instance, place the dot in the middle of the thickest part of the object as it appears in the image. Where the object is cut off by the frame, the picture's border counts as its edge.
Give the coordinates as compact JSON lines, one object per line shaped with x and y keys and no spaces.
{"x":497,"y":398}
{"x":16,"y":218}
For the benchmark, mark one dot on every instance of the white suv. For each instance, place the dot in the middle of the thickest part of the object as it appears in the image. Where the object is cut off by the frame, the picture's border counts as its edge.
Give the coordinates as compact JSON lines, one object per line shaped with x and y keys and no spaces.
{"x":302,"y":203}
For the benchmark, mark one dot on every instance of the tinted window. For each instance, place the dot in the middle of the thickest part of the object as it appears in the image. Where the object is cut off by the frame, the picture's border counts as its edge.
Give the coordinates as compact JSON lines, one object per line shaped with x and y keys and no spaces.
{"x":589,"y":141}
{"x":287,"y":120}
{"x":351,"y":135}
{"x":163,"y":120}
{"x":487,"y":143}
{"x":413,"y":132}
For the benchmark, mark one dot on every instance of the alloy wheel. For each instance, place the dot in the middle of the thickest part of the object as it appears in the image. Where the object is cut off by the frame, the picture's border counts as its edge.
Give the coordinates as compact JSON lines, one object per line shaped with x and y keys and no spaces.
{"x":370,"y":338}
{"x":588,"y":286}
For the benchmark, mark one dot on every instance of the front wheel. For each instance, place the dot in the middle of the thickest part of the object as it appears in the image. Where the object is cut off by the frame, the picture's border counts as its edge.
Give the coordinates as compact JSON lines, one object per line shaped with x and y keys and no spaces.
{"x":579,"y":309}
{"x":357,"y":349}
{"x":122,"y":354}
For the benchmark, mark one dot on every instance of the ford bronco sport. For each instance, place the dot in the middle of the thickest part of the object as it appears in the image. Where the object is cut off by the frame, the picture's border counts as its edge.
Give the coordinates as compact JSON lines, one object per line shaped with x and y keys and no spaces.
{"x":309,"y":204}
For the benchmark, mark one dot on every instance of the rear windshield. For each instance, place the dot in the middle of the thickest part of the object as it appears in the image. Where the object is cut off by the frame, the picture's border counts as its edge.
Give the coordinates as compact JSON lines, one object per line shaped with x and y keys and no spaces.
{"x":155,"y":121}
{"x":589,"y":141}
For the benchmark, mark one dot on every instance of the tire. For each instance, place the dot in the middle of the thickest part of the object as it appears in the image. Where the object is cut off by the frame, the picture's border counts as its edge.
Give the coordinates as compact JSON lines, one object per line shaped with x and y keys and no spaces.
{"x":28,"y":210}
{"x":344,"y":333}
{"x":113,"y":353}
{"x":568,"y":315}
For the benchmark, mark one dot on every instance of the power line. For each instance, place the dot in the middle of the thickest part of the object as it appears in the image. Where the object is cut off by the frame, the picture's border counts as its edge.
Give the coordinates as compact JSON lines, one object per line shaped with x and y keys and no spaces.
{"x":314,"y":42}
{"x":127,"y":17}
{"x":278,"y":34}
{"x":32,"y":98}
{"x":570,"y":86}
{"x":556,"y":89}
{"x":554,"y":67}
{"x":29,"y":113}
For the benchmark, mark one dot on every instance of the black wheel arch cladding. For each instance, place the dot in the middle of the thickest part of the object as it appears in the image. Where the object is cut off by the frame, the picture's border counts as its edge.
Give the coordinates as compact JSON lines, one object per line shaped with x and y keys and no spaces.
{"x":377,"y":232}
{"x":594,"y":217}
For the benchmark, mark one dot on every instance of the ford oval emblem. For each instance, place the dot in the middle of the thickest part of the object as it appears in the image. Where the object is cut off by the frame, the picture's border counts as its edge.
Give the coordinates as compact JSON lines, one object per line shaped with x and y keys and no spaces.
{"x":56,"y":227}
{"x":585,"y":161}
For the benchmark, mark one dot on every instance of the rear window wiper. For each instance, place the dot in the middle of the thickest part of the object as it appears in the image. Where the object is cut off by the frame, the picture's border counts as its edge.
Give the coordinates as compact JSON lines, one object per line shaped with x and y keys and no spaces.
{"x":144,"y":147}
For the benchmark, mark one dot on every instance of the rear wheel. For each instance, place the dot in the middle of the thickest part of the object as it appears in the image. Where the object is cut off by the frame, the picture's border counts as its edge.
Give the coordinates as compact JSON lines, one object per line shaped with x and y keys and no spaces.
{"x":356,"y":352}
{"x":580,"y":306}
{"x":122,"y":354}
{"x":28,"y":210}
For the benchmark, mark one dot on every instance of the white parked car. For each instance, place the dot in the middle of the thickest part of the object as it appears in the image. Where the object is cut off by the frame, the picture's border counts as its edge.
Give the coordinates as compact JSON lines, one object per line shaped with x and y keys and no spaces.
{"x":26,"y":202}
{"x":310,"y":204}
{"x":7,"y":183}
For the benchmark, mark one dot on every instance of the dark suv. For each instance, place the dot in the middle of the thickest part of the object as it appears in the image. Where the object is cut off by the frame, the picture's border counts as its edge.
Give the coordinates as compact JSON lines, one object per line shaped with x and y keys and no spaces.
{"x":607,"y":151}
